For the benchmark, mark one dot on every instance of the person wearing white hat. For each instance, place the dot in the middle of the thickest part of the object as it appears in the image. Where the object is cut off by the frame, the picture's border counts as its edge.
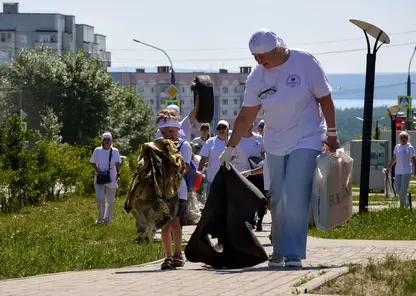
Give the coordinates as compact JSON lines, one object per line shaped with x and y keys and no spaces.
{"x":186,"y":123}
{"x":168,"y":123}
{"x":211,"y":152}
{"x":299,"y":115}
{"x":106,"y":162}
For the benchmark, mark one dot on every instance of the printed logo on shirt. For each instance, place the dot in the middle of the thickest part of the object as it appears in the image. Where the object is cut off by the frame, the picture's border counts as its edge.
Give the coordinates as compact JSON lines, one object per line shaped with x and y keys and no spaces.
{"x":293,"y":81}
{"x":257,"y":144}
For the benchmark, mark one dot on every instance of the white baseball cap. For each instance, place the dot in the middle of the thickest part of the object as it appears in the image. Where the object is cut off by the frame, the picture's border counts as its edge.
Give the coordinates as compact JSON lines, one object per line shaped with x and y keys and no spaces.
{"x":260,"y":122}
{"x":173,"y":107}
{"x":223,"y":122}
{"x":106,"y":136}
{"x":264,"y":40}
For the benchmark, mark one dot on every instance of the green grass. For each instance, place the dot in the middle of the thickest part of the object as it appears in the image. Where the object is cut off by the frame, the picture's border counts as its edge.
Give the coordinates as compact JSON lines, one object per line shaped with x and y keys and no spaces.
{"x":391,"y":276}
{"x":388,"y":224}
{"x":379,"y":198}
{"x":62,"y":236}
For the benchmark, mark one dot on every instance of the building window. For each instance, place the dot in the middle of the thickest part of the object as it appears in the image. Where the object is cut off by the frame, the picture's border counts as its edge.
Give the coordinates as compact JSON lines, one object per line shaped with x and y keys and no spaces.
{"x":235,"y":101}
{"x":183,"y":90}
{"x":224,"y":112}
{"x":151,"y":101}
{"x":235,"y":112}
{"x":140,"y":90}
{"x":225,"y":101}
{"x":47,"y":38}
{"x":236,"y":89}
{"x":182,"y":103}
{"x":225,"y":89}
{"x":23,"y":39}
{"x":153,"y":89}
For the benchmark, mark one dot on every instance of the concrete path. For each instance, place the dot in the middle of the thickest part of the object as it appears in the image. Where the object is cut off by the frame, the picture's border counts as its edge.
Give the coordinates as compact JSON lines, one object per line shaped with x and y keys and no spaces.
{"x":196,"y":280}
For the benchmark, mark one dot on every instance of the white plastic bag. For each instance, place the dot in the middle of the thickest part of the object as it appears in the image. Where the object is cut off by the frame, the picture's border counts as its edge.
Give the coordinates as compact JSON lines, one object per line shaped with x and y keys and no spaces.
{"x":332,"y":189}
{"x":193,"y":211}
{"x":389,"y":191}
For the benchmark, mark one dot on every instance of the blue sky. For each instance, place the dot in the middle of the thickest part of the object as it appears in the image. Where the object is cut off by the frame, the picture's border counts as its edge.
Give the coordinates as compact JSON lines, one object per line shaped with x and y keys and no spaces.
{"x":216,"y":35}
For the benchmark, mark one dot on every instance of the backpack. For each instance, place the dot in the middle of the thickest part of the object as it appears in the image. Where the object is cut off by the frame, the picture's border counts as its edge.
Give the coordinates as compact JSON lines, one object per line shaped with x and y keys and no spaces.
{"x":192,"y":177}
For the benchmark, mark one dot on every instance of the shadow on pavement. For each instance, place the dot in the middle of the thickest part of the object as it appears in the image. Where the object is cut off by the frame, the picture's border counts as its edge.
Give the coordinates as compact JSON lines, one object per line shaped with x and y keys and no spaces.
{"x":233,"y":271}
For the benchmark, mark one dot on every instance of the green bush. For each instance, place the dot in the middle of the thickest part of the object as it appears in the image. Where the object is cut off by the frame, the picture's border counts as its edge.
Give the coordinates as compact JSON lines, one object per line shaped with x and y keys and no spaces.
{"x":125,"y":179}
{"x":47,"y":170}
{"x":30,"y":175}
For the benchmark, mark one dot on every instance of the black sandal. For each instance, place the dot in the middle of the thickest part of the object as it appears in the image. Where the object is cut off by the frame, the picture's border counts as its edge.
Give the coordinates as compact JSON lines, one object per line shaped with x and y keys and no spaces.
{"x":167,"y":264}
{"x":178,"y":261}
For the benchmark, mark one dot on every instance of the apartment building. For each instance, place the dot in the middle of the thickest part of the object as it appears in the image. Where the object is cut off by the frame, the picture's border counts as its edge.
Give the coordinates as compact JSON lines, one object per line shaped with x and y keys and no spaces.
{"x":228,"y":90}
{"x":60,"y":32}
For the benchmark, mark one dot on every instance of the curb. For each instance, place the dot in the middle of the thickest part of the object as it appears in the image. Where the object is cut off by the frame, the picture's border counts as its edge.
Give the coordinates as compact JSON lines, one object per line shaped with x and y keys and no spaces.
{"x":321,"y":280}
{"x":113,"y":269}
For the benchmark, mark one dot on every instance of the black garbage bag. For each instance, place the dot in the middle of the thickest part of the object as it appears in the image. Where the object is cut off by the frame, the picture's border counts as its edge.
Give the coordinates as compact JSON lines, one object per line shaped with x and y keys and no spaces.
{"x":228,"y":211}
{"x":203,"y":87}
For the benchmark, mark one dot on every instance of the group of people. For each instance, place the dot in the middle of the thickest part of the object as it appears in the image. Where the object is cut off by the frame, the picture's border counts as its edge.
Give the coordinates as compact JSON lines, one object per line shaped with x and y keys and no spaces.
{"x":299,"y":116}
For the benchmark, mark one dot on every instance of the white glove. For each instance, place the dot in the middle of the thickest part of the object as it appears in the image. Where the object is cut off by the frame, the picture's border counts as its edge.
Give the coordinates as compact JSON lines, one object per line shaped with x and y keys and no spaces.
{"x":246,"y":173}
{"x":225,"y":157}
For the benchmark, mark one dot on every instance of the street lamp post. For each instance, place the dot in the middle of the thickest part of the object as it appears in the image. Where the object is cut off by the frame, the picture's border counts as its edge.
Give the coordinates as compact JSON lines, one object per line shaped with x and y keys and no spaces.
{"x":409,"y":89}
{"x":379,"y":35}
{"x":172,"y":75}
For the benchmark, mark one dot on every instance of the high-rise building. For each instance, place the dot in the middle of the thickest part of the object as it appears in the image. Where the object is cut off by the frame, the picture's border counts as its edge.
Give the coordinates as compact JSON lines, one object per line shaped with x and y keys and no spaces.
{"x":60,"y":32}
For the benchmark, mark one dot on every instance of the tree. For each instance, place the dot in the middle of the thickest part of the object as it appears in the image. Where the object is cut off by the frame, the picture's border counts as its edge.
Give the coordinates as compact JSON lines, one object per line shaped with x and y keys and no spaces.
{"x":50,"y":127}
{"x":83,"y":106}
{"x":36,"y":74}
{"x":129,"y":118}
{"x":81,"y":94}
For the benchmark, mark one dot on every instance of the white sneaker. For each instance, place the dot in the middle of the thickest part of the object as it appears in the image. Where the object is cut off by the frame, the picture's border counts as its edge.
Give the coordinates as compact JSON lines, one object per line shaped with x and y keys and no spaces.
{"x":276,"y":262}
{"x":293,"y":263}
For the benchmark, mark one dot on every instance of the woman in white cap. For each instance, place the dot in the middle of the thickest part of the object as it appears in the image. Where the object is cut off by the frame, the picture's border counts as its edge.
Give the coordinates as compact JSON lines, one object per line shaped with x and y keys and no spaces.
{"x":299,"y":116}
{"x":106,"y":162}
{"x":211,"y":152}
{"x":404,"y":157}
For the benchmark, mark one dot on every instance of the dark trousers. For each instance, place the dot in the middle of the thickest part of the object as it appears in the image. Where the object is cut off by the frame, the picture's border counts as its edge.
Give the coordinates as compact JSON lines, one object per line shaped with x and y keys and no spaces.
{"x":258,"y":181}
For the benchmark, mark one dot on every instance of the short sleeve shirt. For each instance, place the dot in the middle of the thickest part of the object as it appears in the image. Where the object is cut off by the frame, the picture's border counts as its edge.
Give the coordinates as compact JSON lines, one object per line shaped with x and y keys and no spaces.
{"x":292,"y":115}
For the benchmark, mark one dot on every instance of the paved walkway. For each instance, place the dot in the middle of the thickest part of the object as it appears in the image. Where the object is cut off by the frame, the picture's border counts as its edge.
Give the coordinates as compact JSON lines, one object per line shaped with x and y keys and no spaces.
{"x":196,"y":280}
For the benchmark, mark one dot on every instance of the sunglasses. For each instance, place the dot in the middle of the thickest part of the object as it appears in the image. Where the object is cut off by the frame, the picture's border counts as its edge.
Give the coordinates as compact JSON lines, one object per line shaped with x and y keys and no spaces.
{"x":106,"y":140}
{"x":266,"y":92}
{"x":221,"y":127}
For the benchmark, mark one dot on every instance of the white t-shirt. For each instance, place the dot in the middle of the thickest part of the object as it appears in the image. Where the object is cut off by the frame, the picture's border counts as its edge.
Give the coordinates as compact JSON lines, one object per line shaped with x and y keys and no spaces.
{"x":293,"y":117}
{"x":404,"y":154}
{"x":100,"y":158}
{"x":247,"y":147}
{"x":184,"y":132}
{"x":186,"y":151}
{"x":212,"y":150}
{"x":199,"y":141}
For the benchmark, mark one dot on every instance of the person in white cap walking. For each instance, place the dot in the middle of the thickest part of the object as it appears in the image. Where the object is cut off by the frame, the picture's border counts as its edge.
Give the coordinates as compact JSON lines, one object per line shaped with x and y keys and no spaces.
{"x":299,"y":116}
{"x":211,"y":152}
{"x":106,"y":162}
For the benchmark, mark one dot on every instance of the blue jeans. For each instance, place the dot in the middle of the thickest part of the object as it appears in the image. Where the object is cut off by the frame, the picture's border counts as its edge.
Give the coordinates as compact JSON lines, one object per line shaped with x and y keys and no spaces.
{"x":401,"y":183}
{"x":291,"y":183}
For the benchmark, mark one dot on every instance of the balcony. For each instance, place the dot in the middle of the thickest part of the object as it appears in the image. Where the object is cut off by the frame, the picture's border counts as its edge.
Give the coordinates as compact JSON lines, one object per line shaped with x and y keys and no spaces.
{"x":108,"y":56}
{"x":52,"y":45}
